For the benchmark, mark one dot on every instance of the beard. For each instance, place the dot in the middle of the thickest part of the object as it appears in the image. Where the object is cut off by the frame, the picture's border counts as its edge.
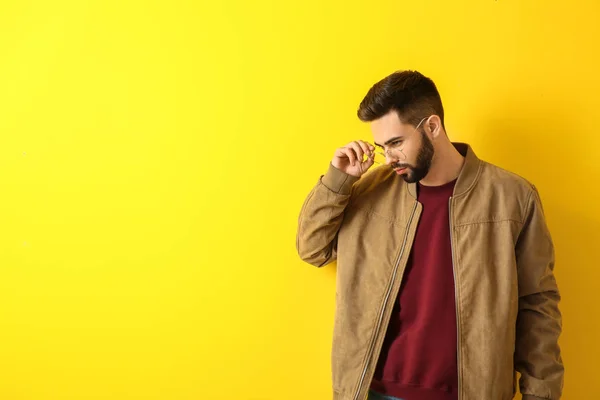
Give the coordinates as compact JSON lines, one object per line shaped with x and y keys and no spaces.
{"x":414,"y":173}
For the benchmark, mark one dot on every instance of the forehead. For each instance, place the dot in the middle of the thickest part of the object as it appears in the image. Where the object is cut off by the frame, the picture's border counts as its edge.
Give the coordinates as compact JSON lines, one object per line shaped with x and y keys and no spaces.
{"x":387,"y":127}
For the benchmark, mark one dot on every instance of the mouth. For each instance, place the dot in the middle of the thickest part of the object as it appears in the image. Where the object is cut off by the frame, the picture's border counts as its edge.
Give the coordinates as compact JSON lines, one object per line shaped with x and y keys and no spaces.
{"x":399,"y":170}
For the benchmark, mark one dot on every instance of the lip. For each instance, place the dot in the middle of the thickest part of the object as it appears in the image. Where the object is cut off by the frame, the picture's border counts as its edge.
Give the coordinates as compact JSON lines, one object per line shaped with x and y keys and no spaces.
{"x":400,"y":170}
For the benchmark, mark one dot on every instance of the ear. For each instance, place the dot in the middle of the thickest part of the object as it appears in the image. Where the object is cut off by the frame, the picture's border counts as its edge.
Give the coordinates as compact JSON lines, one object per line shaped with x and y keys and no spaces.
{"x":433,"y":126}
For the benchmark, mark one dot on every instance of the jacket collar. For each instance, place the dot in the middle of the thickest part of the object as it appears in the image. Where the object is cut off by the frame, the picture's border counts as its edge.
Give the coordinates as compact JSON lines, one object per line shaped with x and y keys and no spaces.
{"x":468,"y":174}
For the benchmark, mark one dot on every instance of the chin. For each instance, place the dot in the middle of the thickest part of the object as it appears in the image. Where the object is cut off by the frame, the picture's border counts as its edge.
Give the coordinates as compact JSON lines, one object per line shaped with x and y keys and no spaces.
{"x":410,"y":177}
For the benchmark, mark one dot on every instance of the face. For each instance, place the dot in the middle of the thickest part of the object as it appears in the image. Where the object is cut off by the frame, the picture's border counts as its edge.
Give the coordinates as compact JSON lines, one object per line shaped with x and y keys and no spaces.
{"x":409,"y":151}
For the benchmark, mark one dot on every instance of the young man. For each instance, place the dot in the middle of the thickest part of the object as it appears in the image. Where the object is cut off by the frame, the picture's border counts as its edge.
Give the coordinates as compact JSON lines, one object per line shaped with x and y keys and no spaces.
{"x":445,"y":282}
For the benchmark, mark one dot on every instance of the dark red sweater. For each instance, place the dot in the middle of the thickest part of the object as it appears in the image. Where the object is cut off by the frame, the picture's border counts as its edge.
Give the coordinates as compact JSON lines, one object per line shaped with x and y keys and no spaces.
{"x":418,"y":358}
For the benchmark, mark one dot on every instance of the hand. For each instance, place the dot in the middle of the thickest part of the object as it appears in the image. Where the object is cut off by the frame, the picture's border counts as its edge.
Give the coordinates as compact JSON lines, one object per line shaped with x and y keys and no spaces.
{"x":349,"y":158}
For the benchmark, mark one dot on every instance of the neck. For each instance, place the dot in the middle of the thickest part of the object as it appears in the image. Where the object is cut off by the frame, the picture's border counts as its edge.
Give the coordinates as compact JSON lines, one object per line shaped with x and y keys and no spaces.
{"x":445,"y":166}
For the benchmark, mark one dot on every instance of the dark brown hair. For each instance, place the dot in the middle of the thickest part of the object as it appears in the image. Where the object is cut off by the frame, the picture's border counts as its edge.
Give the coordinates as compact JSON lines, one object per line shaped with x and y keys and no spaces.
{"x":412,"y":95}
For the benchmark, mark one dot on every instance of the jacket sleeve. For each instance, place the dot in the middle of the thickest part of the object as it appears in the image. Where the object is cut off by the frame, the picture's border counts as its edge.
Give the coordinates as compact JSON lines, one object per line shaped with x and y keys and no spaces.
{"x":539,"y":322}
{"x":321,"y":217}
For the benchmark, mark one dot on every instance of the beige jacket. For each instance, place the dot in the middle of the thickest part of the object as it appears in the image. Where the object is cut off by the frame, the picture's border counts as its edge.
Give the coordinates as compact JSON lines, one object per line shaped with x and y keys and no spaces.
{"x":506,"y":295}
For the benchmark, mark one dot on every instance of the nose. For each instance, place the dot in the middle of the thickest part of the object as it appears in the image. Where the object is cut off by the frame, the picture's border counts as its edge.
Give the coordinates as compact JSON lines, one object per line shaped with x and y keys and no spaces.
{"x":389,"y":158}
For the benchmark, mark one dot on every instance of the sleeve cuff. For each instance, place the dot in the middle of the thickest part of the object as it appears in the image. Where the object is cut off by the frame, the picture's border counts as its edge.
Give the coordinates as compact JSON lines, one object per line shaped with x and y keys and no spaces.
{"x":338,"y":181}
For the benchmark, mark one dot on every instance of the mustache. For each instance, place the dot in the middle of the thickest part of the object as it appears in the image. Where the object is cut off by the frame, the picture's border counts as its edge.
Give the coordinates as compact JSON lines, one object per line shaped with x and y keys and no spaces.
{"x":400,"y":165}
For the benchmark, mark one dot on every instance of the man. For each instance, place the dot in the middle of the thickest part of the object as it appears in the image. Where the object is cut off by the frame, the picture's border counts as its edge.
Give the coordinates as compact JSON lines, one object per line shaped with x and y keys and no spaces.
{"x":445,"y":282}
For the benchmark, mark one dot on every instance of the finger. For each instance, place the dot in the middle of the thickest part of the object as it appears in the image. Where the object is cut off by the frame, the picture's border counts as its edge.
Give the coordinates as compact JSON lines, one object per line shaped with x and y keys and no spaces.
{"x":368,"y":163}
{"x":340,"y":152}
{"x":358,"y":150}
{"x":349,"y":152}
{"x":365,"y":147}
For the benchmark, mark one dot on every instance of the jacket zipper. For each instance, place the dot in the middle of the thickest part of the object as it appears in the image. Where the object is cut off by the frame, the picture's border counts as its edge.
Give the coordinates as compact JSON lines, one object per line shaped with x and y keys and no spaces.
{"x":455,"y":299}
{"x":387,"y":295}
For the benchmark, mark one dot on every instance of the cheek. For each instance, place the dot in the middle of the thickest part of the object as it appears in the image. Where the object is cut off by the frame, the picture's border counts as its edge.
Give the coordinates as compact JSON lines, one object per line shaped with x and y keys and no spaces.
{"x":411,"y":152}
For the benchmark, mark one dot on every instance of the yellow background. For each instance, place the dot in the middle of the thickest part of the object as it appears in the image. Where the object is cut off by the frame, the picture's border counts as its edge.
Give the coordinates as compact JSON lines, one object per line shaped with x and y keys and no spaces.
{"x":154,"y":157}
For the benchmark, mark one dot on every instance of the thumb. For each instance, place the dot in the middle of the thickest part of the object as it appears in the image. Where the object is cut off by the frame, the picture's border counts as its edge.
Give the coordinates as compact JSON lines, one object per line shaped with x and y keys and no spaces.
{"x":368,"y":163}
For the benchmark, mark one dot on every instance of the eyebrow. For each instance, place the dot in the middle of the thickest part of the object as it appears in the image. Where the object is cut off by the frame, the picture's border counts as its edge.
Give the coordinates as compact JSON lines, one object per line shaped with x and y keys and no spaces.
{"x":389,"y":141}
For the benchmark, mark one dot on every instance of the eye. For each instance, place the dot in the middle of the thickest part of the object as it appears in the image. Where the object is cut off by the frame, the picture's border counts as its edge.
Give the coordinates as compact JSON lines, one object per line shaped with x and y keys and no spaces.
{"x":396,"y":143}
